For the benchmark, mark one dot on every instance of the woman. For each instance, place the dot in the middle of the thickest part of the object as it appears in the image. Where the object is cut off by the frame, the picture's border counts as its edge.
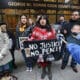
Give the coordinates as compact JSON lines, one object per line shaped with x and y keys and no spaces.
{"x":5,"y":55}
{"x":21,"y":28}
{"x":43,"y":31}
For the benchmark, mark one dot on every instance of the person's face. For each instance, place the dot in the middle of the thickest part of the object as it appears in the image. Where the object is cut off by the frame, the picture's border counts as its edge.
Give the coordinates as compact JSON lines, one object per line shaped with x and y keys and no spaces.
{"x":23,"y":19}
{"x":43,"y":22}
{"x":3,"y":28}
{"x":61,"y":18}
{"x":30,"y":21}
{"x":75,"y":16}
{"x":76,"y":29}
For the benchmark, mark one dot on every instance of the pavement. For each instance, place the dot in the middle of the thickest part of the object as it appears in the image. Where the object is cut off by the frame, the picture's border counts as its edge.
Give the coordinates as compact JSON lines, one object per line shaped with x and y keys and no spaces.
{"x":57,"y":73}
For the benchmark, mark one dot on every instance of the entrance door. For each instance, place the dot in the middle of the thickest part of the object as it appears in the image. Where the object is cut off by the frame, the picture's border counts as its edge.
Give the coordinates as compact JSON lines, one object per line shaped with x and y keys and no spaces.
{"x":11,"y":20}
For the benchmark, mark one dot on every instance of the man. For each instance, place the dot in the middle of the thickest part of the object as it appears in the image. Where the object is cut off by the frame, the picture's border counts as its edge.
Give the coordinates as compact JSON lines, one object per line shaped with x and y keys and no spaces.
{"x":75,"y":18}
{"x":62,"y":20}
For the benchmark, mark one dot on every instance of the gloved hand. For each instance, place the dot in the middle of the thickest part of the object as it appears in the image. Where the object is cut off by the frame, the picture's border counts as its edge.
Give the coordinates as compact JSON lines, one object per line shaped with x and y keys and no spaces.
{"x":60,"y":36}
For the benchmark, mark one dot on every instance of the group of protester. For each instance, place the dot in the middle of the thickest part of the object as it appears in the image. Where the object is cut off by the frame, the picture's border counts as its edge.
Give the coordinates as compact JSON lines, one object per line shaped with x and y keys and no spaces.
{"x":70,"y":29}
{"x":40,"y":30}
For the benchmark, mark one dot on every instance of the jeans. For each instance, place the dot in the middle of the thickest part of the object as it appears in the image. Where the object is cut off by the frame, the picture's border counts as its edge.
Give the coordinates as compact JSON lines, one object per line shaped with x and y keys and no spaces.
{"x":7,"y":67}
{"x":4,"y":68}
{"x":66,"y":58}
{"x":47,"y":71}
{"x":28,"y":60}
{"x":13,"y":56}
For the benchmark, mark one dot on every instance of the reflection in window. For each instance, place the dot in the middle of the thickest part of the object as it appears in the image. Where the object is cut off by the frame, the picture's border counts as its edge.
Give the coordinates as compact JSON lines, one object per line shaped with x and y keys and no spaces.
{"x":51,"y":11}
{"x":50,"y":0}
{"x":75,"y":1}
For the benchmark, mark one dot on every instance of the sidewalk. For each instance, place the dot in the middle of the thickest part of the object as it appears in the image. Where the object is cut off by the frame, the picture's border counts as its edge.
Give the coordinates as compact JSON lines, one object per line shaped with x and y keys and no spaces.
{"x":57,"y":73}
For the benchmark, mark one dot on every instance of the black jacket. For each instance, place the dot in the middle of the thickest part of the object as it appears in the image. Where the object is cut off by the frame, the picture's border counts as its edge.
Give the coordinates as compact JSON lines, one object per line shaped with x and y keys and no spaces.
{"x":12,"y":36}
{"x":69,"y":25}
{"x":28,"y":31}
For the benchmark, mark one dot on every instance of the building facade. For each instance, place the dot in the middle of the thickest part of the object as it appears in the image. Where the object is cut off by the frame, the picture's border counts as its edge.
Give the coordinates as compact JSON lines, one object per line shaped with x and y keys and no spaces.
{"x":10,"y":10}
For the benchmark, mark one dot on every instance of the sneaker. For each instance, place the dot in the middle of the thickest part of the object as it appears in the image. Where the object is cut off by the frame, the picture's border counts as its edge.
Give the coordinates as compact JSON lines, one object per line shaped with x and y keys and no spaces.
{"x":63,"y":66}
{"x":30,"y":69}
{"x":15,"y":67}
{"x":75,"y":69}
{"x":27,"y":69}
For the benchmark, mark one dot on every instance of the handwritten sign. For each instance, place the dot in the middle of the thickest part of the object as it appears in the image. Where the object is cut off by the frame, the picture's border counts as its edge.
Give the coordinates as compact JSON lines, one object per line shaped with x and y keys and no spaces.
{"x":43,"y":47}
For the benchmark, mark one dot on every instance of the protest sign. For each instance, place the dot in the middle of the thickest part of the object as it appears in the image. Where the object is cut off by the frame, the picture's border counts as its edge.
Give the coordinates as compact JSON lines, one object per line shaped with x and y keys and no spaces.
{"x":21,"y":40}
{"x":43,"y":47}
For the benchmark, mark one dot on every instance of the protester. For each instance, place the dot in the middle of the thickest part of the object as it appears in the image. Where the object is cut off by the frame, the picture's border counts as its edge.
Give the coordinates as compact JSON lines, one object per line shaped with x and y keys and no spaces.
{"x":31,"y":22}
{"x":43,"y":31}
{"x":73,"y":45}
{"x":75,"y":30}
{"x":22,"y":30}
{"x":5,"y":55}
{"x":75,"y":17}
{"x":61,"y":20}
{"x":12,"y":42}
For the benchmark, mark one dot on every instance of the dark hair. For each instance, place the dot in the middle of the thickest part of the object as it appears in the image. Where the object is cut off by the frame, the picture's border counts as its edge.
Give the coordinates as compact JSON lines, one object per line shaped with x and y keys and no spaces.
{"x":76,"y":24}
{"x":47,"y":26}
{"x":23,"y":15}
{"x":61,"y":15}
{"x":2,"y":23}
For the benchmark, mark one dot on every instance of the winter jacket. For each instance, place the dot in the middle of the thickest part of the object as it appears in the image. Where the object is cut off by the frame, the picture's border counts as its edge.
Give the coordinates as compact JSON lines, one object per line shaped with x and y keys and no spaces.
{"x":5,"y":55}
{"x":25,"y":33}
{"x":28,"y":31}
{"x":42,"y":34}
{"x":72,"y":39}
{"x":69,"y":25}
{"x":62,"y":23}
